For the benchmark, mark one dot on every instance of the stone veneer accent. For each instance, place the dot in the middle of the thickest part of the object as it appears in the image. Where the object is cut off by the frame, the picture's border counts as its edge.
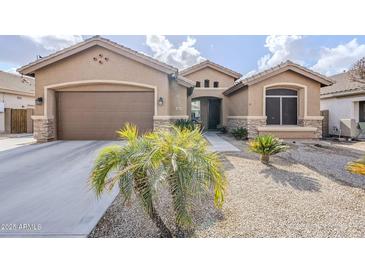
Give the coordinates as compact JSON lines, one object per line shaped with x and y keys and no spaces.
{"x":166,"y":122}
{"x":161,"y":124}
{"x":44,"y":129}
{"x":246,"y":122}
{"x":317,"y":123}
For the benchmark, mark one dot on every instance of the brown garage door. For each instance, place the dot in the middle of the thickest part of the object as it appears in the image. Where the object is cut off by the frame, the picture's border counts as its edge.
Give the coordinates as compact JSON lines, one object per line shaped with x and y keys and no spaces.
{"x":98,"y":115}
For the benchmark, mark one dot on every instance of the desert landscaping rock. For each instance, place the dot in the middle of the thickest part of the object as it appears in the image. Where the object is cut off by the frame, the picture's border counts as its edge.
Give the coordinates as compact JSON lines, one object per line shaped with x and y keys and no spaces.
{"x":284,"y":199}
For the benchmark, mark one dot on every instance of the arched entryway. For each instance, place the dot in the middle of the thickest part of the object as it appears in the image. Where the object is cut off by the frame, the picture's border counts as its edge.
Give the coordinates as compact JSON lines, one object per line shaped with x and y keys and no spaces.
{"x":208,"y":111}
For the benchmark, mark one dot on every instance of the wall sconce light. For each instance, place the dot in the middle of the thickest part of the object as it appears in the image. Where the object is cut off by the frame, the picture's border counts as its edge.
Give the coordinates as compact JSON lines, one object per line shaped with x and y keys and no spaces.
{"x":160,"y":101}
{"x":39,"y":101}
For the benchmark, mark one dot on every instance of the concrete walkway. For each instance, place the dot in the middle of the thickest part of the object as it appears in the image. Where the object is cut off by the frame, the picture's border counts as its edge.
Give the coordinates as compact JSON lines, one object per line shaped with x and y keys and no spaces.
{"x":218,"y":144}
{"x":15,"y":140}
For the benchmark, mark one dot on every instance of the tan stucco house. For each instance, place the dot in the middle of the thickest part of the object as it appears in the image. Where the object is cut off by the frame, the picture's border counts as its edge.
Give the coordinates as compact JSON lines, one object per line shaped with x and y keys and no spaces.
{"x":16,"y":103}
{"x":89,"y":90}
{"x":283,"y":101}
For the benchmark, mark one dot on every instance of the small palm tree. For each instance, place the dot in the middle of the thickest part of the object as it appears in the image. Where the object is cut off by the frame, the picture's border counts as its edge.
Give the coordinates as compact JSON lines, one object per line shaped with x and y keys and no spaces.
{"x":266,"y":145}
{"x":177,"y":158}
{"x":357,"y":167}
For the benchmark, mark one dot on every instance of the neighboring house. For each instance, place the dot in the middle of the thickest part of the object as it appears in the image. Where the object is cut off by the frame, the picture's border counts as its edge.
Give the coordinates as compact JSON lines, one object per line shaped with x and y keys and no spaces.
{"x":345,"y":101}
{"x":207,"y":101}
{"x":283,"y":101}
{"x":16,"y":103}
{"x":89,"y":90}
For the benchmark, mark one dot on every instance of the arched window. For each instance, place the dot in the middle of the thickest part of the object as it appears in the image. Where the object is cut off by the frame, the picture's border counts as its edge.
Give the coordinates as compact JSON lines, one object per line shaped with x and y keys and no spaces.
{"x":281,"y":107}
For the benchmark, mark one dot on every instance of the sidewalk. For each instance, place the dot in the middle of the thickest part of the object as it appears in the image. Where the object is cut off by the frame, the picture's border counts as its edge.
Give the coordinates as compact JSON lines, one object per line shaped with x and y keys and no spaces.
{"x":11,"y":141}
{"x":218,"y":144}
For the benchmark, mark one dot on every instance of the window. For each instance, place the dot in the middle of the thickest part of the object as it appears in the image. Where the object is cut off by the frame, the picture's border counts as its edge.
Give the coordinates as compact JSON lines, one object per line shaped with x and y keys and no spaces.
{"x":216,"y":84}
{"x":197,"y":84}
{"x":362,"y":111}
{"x":195,"y":110}
{"x":281,"y":107}
{"x":206,"y":83}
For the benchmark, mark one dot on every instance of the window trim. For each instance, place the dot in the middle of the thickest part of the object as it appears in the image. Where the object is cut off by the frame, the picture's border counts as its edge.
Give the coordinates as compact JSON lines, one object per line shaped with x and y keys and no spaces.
{"x":290,"y":85}
{"x":281,"y":104}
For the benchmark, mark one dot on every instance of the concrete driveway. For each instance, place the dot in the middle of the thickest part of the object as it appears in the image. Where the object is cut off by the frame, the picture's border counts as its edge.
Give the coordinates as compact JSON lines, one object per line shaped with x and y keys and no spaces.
{"x":44,"y":190}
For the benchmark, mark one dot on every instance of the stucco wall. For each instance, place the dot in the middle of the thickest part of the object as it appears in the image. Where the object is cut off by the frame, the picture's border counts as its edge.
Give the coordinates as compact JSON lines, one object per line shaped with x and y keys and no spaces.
{"x":17,"y":101}
{"x":255,"y":93}
{"x":81,"y":67}
{"x":345,"y":108}
{"x":178,"y":99}
{"x":212,"y":75}
{"x":225,"y":81}
{"x":237,"y":103}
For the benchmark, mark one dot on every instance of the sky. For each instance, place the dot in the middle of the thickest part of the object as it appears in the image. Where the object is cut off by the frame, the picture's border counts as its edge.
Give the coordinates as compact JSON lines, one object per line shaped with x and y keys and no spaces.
{"x":242,"y":53}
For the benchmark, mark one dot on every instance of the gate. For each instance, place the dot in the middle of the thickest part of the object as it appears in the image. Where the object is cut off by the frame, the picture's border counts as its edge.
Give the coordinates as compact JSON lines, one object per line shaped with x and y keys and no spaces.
{"x":18,"y":121}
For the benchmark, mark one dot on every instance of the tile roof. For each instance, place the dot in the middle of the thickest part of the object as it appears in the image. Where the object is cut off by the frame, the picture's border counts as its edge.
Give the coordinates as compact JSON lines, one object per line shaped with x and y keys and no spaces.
{"x":16,"y":83}
{"x":343,"y":86}
{"x":284,"y":65}
{"x":208,"y":63}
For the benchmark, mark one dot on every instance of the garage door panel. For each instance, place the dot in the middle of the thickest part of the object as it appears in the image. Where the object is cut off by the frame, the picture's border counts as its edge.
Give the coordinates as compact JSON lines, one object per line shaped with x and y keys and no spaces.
{"x":98,"y":115}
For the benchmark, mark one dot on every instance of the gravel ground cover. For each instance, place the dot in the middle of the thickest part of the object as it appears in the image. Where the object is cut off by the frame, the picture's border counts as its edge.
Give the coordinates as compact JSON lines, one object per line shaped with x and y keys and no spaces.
{"x":327,"y":159}
{"x":285,"y":199}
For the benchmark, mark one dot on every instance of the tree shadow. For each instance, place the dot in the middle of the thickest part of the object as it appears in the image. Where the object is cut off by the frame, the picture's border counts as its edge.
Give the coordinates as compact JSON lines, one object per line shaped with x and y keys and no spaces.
{"x":294,"y":179}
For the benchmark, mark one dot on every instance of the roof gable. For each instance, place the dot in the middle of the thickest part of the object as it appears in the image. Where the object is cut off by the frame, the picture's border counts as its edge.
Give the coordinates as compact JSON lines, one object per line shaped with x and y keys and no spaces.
{"x":91,"y":42}
{"x":212,"y":65}
{"x":286,"y":66}
{"x":13,"y":83}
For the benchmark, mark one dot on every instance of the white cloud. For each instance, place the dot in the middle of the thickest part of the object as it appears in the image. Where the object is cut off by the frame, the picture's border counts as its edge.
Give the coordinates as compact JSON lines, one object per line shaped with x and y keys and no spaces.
{"x":281,"y":48}
{"x":340,"y":58}
{"x":248,"y":74}
{"x":12,"y":70}
{"x":183,"y":56}
{"x":55,"y":42}
{"x":326,"y":60}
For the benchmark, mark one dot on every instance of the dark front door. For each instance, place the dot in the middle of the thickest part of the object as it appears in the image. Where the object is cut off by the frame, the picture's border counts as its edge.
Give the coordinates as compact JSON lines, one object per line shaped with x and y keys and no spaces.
{"x":289,"y":111}
{"x":273,"y":110}
{"x":362,"y":111}
{"x":214,"y":113}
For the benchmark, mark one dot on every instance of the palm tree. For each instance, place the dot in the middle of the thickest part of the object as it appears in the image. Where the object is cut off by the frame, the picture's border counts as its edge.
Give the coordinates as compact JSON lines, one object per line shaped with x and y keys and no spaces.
{"x":266,"y":145}
{"x":178,"y":158}
{"x":357,"y":167}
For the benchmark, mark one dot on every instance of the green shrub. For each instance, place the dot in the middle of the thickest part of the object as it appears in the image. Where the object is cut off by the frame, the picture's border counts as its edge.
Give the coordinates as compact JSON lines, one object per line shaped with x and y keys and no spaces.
{"x":178,"y":159}
{"x":239,"y":133}
{"x":223,"y":129}
{"x":186,"y":124}
{"x":266,"y":145}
